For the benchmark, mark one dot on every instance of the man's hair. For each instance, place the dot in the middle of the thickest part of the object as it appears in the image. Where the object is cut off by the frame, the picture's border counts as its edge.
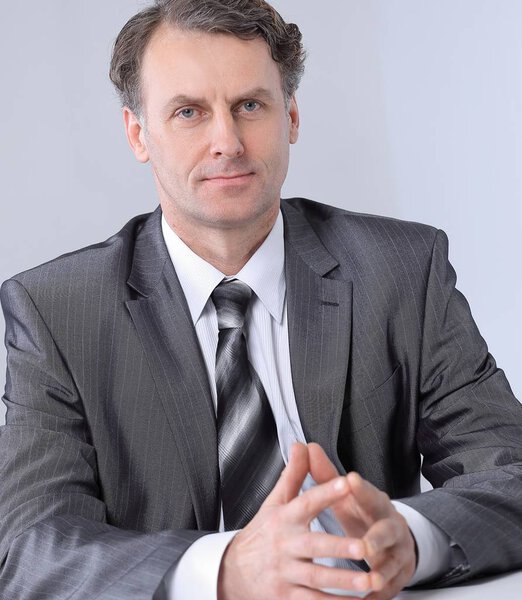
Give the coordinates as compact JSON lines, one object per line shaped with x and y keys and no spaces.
{"x":245,"y":19}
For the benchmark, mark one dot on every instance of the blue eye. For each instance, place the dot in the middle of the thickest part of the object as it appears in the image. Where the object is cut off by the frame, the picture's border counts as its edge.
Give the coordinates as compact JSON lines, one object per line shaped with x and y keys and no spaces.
{"x":186,"y":113}
{"x":251,"y":106}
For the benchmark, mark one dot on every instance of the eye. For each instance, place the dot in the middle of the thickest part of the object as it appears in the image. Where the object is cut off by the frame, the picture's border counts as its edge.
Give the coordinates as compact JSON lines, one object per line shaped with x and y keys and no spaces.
{"x":186,"y":113}
{"x":250,"y":106}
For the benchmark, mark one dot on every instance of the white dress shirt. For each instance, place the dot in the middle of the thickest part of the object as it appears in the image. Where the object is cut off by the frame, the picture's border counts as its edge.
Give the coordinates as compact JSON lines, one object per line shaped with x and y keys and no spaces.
{"x":269,"y":353}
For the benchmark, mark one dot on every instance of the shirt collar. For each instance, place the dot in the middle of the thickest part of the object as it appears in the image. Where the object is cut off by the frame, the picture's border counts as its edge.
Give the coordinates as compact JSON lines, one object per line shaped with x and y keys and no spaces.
{"x":264,"y":272}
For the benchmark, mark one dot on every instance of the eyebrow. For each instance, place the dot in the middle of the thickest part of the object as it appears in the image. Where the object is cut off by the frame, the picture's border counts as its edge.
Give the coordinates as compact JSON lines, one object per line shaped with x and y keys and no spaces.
{"x":183,"y":99}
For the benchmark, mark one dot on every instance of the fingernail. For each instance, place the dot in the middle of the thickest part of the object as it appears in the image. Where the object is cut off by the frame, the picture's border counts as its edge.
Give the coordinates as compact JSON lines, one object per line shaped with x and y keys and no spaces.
{"x":340,"y":484}
{"x":360,"y":582}
{"x":377,"y":582}
{"x":355,"y":476}
{"x":354,"y":550}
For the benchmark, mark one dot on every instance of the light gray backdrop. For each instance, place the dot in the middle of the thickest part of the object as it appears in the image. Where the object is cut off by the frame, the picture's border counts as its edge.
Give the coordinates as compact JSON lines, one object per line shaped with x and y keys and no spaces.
{"x":410,"y":109}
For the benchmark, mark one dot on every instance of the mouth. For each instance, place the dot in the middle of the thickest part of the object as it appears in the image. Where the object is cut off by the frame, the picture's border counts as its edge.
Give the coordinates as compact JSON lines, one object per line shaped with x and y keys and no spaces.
{"x":229,"y":179}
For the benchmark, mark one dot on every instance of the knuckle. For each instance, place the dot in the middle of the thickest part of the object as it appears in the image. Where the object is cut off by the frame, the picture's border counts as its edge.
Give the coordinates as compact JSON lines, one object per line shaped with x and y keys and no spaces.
{"x":306,"y":541}
{"x":391,"y":529}
{"x":277,"y":592}
{"x":279,"y":589}
{"x":306,"y":504}
{"x":403,"y":532}
{"x":276,"y":516}
{"x":278,"y":578}
{"x":394,"y":565}
{"x":312,"y":575}
{"x":400,"y":519}
{"x":403,"y":529}
{"x":298,"y":594}
{"x":306,"y":508}
{"x":339,"y":547}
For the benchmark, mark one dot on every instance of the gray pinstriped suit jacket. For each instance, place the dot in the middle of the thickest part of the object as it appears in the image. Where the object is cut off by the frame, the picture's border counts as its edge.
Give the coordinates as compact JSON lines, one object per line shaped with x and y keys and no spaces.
{"x":108,"y":461}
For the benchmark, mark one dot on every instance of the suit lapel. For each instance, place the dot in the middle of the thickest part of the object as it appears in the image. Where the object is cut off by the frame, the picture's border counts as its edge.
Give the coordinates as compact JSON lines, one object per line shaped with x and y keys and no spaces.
{"x":166,"y":331}
{"x":319,"y":328}
{"x":319,"y":323}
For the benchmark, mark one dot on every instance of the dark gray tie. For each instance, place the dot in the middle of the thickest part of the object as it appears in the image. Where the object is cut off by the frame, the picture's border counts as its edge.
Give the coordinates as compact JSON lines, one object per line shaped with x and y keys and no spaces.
{"x":250,"y":460}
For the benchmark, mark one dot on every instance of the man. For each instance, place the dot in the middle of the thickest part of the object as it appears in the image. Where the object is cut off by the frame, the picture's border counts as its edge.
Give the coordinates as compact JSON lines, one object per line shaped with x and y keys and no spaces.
{"x":143,"y":453}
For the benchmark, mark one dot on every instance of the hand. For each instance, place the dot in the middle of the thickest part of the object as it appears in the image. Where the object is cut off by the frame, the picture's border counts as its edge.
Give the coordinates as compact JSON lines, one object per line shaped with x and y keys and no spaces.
{"x":383,"y":537}
{"x":272,"y":556}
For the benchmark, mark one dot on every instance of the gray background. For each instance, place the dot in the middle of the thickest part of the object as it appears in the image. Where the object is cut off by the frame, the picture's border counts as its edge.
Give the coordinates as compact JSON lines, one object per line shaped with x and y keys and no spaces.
{"x":409,"y":108}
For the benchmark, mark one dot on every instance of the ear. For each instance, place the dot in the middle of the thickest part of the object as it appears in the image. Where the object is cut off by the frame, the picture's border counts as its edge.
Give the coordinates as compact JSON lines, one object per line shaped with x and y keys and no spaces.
{"x":294,"y":120}
{"x":135,"y":135}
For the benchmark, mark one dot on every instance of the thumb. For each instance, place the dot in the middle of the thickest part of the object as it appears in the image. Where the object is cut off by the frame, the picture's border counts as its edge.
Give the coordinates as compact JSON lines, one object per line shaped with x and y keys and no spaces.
{"x":289,"y":484}
{"x":321,"y":469}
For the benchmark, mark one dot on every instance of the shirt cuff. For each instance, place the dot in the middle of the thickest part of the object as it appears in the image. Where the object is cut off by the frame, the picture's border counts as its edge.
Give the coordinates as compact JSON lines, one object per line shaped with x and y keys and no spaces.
{"x":196,"y":574}
{"x":433,"y":545}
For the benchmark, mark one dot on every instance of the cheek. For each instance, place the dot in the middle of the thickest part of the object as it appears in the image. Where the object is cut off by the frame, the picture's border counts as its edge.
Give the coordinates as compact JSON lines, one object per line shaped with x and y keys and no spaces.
{"x":172,"y":147}
{"x":177,"y":158}
{"x":272,"y":145}
{"x":279,"y":151}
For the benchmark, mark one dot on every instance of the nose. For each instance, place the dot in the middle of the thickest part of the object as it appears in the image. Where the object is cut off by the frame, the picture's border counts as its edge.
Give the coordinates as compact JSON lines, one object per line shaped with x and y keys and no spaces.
{"x":225,"y":141}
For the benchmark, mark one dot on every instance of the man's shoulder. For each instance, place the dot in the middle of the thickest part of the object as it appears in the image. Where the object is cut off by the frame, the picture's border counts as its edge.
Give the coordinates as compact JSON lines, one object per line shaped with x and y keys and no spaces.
{"x":360,"y":229}
{"x":90,"y":263}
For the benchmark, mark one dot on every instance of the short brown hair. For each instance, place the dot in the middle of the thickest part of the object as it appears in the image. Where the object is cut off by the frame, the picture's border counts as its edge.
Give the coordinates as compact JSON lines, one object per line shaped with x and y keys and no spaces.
{"x":246,"y":19}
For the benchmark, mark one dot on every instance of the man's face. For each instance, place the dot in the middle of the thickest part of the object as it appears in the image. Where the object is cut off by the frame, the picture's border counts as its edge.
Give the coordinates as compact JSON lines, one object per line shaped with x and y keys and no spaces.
{"x":215,"y":128}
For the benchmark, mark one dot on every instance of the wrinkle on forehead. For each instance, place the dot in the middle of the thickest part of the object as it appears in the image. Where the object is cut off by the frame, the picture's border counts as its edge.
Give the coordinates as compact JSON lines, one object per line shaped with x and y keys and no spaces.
{"x":204,"y":65}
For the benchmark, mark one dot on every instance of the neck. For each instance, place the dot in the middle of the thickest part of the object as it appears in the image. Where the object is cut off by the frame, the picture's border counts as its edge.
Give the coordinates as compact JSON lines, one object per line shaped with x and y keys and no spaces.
{"x":226,"y":249}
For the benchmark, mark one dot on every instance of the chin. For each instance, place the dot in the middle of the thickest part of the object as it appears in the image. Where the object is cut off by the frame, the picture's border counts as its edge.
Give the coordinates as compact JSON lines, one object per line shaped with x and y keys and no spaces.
{"x":232,"y":219}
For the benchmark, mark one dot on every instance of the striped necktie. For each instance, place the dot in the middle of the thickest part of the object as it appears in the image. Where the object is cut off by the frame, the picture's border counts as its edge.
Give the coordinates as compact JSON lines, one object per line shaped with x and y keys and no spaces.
{"x":250,"y":460}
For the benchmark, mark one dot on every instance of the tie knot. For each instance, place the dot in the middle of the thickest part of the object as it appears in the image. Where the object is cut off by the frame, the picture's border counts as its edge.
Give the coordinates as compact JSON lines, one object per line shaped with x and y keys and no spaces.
{"x":231,"y":299}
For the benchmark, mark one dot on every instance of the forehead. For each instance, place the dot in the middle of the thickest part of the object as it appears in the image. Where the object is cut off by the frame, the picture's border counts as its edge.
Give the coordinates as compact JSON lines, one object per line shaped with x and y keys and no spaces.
{"x":205,"y":65}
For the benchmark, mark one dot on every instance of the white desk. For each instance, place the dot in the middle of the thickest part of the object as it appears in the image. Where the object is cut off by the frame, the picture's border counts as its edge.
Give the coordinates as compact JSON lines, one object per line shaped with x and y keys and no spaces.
{"x":501,"y":587}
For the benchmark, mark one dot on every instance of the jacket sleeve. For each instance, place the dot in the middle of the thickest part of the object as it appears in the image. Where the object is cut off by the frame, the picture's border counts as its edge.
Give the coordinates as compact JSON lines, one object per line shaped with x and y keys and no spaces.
{"x":54,"y":538}
{"x":469,"y":433}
